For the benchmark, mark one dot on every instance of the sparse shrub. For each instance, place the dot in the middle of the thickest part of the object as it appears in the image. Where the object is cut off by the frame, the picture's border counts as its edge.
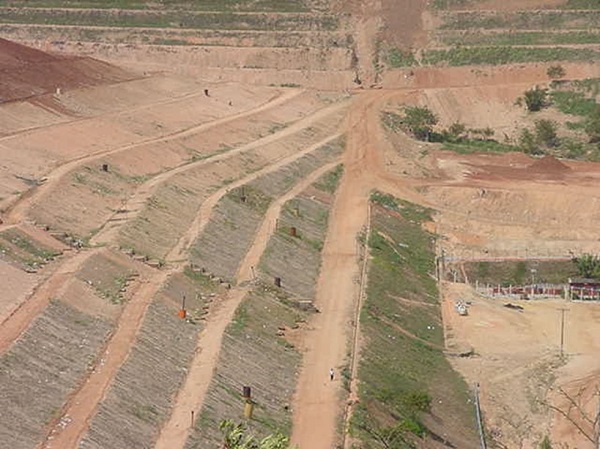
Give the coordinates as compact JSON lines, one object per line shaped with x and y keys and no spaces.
{"x":545,"y":133}
{"x":528,"y":142}
{"x":556,"y":71}
{"x":546,"y":443}
{"x":535,"y":99}
{"x":419,"y":121}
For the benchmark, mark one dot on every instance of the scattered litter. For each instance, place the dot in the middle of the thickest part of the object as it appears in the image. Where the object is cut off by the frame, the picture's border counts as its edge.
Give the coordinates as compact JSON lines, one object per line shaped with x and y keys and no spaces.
{"x":513,"y":306}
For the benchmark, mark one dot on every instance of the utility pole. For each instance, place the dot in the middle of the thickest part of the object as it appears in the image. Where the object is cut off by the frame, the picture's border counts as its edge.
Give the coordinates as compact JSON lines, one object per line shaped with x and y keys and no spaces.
{"x":562,"y":329}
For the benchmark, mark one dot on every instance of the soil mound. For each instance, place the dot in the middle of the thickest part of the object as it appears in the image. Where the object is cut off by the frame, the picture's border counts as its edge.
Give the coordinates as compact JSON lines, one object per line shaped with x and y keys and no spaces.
{"x":548,"y":165}
{"x":26,"y":72}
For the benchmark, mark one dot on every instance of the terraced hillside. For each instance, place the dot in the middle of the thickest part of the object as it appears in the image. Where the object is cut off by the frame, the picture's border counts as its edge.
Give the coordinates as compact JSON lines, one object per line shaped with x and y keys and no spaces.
{"x":274,"y":42}
{"x":221,"y":211}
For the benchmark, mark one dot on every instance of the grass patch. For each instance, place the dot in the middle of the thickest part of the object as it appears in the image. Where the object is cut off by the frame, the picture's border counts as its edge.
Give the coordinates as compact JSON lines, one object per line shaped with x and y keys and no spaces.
{"x":506,"y":55}
{"x":479,"y":146}
{"x":252,"y":197}
{"x":402,"y":377}
{"x":18,"y":247}
{"x":574,"y":103}
{"x":195,"y":5}
{"x":399,"y":58}
{"x":582,"y":4}
{"x":521,"y":20}
{"x":474,"y":38}
{"x":170,"y":19}
{"x":330,"y":180}
{"x":508,"y":272}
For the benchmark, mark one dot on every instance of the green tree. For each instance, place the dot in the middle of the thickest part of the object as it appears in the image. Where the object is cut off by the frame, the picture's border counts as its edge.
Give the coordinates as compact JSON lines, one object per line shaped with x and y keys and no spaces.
{"x":419,"y":121}
{"x":535,"y":99}
{"x":545,"y":133}
{"x":588,"y":265}
{"x":236,"y":436}
{"x":556,"y":71}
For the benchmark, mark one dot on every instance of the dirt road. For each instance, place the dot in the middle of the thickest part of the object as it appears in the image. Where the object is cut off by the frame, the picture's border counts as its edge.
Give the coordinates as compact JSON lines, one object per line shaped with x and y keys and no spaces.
{"x":317,"y":399}
{"x":191,"y":397}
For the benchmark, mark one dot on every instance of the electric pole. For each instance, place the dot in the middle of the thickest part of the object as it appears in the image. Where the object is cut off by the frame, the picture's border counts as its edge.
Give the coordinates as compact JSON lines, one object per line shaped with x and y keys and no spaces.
{"x":562,"y":330}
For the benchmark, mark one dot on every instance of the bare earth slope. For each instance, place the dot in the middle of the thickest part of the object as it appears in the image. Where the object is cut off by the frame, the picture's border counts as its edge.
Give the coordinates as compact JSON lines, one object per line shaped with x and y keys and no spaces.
{"x":115,"y":185}
{"x":26,"y":72}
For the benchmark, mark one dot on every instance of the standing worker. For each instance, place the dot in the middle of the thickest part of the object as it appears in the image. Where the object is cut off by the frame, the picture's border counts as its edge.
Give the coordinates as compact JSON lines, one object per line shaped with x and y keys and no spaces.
{"x":331,"y":374}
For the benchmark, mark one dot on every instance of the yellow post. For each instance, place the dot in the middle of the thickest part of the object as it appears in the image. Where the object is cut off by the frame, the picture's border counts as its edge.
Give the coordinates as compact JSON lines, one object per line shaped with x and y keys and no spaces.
{"x":248,"y":409}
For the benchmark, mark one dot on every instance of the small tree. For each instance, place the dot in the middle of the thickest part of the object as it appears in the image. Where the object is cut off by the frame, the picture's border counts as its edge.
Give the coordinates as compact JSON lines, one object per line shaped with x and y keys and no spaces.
{"x":588,"y":265}
{"x":556,"y":71}
{"x":535,"y":99}
{"x":419,"y":121}
{"x":545,"y":133}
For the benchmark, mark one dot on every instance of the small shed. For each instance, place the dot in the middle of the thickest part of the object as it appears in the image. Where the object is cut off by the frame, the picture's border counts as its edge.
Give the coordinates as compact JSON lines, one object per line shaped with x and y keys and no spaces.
{"x":584,"y":289}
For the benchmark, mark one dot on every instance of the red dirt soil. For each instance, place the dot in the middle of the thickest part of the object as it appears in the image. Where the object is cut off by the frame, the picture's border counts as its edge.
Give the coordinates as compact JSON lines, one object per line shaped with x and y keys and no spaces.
{"x":26,"y":72}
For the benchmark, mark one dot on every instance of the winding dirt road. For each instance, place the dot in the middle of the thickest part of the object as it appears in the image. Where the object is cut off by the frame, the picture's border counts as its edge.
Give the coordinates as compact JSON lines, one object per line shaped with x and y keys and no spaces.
{"x":191,"y":397}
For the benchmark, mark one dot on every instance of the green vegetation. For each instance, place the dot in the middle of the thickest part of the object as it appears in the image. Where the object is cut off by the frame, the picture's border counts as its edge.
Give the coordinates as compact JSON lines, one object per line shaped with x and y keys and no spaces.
{"x":194,"y":5}
{"x":535,"y":99}
{"x":20,"y":248}
{"x":502,"y":38}
{"x":403,"y":369}
{"x":556,"y":71}
{"x":236,"y":436}
{"x":330,"y":180}
{"x":522,"y":20}
{"x":582,"y":4}
{"x":507,"y":55}
{"x":419,"y":121}
{"x":507,"y":273}
{"x":447,"y":4}
{"x":399,"y":58}
{"x":170,"y":19}
{"x":580,"y":100}
{"x":546,"y":443}
{"x":588,"y":265}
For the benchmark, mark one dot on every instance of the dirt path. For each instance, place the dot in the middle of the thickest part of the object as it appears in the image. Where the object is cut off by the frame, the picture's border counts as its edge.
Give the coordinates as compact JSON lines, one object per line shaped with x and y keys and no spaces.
{"x":316,"y":404}
{"x":191,"y":397}
{"x":202,"y":218}
{"x":82,"y":405}
{"x":25,"y":313}
{"x":134,"y":206}
{"x":17,"y":211}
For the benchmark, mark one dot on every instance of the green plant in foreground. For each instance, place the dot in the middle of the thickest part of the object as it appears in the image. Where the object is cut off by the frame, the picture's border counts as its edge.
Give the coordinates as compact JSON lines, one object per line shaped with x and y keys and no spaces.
{"x":236,"y":436}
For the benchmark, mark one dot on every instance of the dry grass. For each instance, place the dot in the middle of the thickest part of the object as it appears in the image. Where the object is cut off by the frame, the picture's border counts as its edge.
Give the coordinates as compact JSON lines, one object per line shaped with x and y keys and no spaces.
{"x":142,"y":394}
{"x":42,"y":368}
{"x":230,"y":232}
{"x":252,"y":355}
{"x":296,"y":260}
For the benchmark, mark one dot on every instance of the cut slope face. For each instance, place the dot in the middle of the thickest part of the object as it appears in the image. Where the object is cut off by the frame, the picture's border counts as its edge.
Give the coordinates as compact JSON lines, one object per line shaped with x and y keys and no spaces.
{"x":26,"y":72}
{"x":266,"y":42}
